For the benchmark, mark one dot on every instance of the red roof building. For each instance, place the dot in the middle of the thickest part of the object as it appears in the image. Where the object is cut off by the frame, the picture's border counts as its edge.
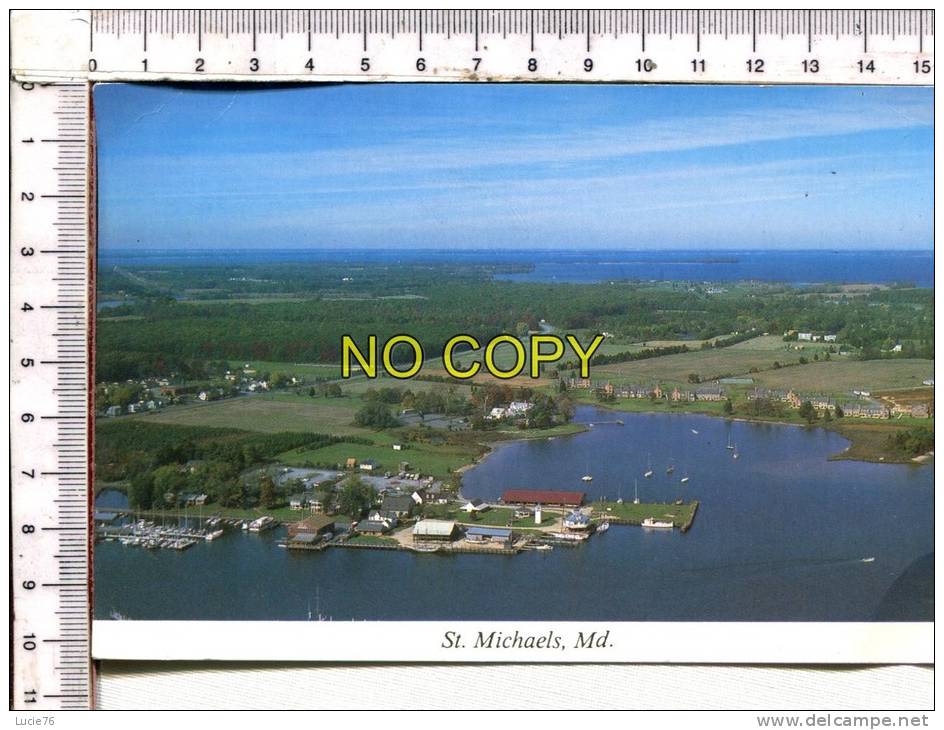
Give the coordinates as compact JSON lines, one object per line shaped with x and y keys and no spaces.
{"x":543,"y":496}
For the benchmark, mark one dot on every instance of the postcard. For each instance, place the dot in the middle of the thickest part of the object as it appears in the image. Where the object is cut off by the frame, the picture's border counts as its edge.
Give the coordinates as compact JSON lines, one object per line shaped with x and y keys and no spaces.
{"x":514,"y":372}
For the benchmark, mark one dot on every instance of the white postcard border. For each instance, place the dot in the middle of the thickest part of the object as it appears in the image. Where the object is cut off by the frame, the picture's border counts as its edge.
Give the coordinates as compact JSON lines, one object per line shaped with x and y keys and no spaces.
{"x":517,"y":641}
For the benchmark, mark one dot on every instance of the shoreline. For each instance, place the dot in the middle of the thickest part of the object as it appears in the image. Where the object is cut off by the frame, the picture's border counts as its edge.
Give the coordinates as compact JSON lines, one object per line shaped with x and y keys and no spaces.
{"x":835,"y":426}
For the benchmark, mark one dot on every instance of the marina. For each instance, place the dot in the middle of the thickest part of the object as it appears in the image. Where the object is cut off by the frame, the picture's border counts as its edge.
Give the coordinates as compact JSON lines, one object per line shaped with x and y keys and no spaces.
{"x":739,"y":560}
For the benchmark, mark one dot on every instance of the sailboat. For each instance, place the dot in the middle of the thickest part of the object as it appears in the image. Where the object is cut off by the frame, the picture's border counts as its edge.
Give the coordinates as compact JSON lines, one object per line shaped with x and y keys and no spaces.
{"x":684,"y":479}
{"x":587,"y":477}
{"x":317,"y":616}
{"x":619,"y":495}
{"x":694,"y":432}
{"x":635,"y":491}
{"x":648,"y":472}
{"x":670,"y":468}
{"x":730,"y":446}
{"x":735,"y":455}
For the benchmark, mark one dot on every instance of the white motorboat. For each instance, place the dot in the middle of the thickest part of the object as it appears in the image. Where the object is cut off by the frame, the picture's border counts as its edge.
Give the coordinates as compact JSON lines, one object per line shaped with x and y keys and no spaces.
{"x":660,"y":524}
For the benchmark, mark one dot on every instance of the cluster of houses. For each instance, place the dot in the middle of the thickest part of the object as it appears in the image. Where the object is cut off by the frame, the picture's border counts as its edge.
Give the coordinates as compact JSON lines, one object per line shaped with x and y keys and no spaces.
{"x":707,"y":392}
{"x":141,"y":406}
{"x":816,"y":337}
{"x":160,"y":392}
{"x":863,"y":406}
{"x":515,"y":409}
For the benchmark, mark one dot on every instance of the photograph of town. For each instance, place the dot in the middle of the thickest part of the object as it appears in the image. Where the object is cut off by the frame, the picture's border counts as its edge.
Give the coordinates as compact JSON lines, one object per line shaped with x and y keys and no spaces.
{"x":753,"y":440}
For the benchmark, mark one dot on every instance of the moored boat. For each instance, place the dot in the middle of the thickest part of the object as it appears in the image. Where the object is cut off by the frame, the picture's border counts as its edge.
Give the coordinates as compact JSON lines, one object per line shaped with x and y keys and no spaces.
{"x":660,"y":524}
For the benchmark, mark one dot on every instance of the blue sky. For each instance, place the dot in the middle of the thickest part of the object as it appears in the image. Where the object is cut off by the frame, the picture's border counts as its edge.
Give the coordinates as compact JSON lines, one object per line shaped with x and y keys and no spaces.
{"x":515,"y":166}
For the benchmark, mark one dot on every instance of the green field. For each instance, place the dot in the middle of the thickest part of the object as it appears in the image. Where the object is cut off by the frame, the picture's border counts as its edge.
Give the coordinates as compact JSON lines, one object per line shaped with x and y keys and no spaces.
{"x":842,"y":376}
{"x":760,"y":353}
{"x":271,"y":412}
{"x":679,"y":514}
{"x":309,"y":370}
{"x":439,"y":461}
{"x":707,"y":364}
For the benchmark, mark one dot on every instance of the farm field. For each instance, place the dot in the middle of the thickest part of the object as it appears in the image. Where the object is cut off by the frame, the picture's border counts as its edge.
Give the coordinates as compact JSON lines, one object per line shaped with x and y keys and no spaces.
{"x":271,"y":413}
{"x":299,"y":369}
{"x":707,"y":364}
{"x":838,"y":376}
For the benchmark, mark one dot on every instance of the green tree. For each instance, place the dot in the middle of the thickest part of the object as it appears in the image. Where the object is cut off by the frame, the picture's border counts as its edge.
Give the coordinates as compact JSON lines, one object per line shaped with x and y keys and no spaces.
{"x":266,"y":492}
{"x":807,"y":411}
{"x":355,"y":497}
{"x":839,"y":412}
{"x":375,"y":415}
{"x":728,"y":407}
{"x":169,"y":481}
{"x":141,"y":491}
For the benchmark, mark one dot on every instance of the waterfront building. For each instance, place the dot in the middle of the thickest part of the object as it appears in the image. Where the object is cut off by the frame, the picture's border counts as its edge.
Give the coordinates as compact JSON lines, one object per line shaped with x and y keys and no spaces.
{"x":442,"y":530}
{"x":313,"y":525}
{"x":489,"y":535}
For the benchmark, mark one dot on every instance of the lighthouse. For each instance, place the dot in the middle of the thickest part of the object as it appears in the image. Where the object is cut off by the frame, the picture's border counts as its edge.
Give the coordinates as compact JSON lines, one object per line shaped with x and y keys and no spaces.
{"x":537,"y":515}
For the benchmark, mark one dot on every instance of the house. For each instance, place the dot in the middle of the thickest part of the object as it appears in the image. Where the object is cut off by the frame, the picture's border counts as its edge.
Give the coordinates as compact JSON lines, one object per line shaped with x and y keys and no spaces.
{"x":474,"y":505}
{"x":710,"y":393}
{"x":399,"y":504}
{"x":379,"y":515}
{"x":373,"y":527}
{"x":830,"y":338}
{"x":297,"y":502}
{"x":342,"y":526}
{"x":398,"y":447}
{"x":369,"y":465}
{"x":351,"y":463}
{"x":114,"y":411}
{"x":897,"y":348}
{"x":439,"y":530}
{"x":929,"y":381}
{"x":203,"y":395}
{"x":805,"y":336}
{"x":496,"y":413}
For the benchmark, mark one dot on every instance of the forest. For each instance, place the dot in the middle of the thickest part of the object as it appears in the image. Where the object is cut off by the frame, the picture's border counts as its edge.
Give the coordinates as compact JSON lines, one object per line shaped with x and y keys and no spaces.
{"x":177,"y":320}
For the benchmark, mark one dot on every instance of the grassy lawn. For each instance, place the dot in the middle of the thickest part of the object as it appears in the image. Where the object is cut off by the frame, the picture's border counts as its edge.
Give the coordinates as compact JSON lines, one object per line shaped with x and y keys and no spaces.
{"x":494,"y":517}
{"x":679,"y":514}
{"x":438,"y":461}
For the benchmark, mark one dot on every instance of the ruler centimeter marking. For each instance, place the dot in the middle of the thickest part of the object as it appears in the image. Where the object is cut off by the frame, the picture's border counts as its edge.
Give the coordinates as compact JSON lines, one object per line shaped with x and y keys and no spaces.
{"x":49,"y":396}
{"x":56,"y":54}
{"x":647,"y":46}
